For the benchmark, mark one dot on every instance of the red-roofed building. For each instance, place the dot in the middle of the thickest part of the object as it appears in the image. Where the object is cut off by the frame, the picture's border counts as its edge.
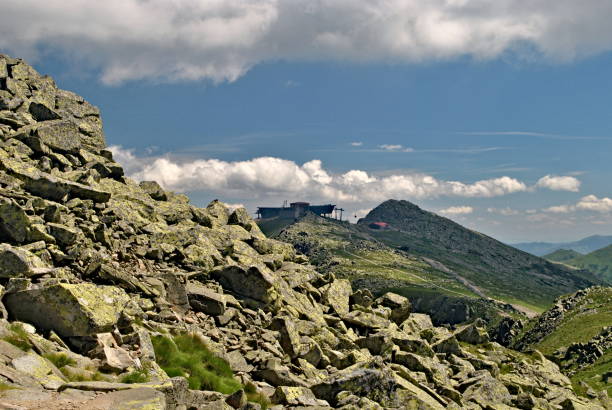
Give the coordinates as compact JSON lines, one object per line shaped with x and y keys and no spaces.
{"x":379,"y":225}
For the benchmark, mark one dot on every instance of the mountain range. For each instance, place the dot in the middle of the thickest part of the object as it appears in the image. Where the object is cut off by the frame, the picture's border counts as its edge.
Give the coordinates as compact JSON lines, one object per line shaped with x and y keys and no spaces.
{"x":586,"y":245}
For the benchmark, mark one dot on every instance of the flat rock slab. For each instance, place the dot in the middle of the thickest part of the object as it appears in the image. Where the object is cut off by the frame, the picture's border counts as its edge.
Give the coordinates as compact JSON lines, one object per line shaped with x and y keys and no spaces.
{"x":69,"y":309}
{"x":132,"y":399}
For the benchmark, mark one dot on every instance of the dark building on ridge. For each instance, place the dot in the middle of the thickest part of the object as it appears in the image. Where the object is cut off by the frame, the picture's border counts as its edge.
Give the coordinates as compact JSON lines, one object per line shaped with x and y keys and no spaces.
{"x":295,"y":210}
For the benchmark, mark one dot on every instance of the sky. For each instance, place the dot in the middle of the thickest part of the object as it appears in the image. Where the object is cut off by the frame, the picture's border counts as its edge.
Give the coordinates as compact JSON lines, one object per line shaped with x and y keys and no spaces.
{"x":495,"y":114}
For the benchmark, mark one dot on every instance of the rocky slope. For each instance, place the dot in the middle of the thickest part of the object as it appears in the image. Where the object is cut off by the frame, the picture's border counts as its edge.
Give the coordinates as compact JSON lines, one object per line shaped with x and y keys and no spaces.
{"x":576,"y":333}
{"x":500,"y":271}
{"x":109,"y":288}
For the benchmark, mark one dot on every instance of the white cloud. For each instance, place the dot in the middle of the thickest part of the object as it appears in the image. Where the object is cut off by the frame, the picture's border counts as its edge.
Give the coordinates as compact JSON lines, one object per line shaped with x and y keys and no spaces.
{"x":357,"y":144}
{"x":504,"y":211}
{"x":587,"y":203}
{"x":559,"y":183}
{"x":559,"y":209}
{"x":268,"y":176}
{"x":457,"y":210}
{"x":593,"y":203}
{"x":395,"y":148}
{"x":220,"y":40}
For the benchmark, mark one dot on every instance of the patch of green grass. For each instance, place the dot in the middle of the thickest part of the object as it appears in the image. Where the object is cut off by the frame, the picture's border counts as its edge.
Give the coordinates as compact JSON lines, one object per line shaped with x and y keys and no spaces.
{"x":136,"y":376}
{"x":18,"y":337}
{"x":186,"y":355}
{"x":60,"y":360}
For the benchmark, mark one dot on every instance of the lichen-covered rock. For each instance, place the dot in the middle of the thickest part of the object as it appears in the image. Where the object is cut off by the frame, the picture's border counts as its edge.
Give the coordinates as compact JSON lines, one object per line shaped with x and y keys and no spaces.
{"x":154,"y":190}
{"x":14,"y":223}
{"x":69,"y":310}
{"x":337,"y":295}
{"x":17,"y":262}
{"x":375,"y":384}
{"x":296,"y":396}
{"x":202,"y":299}
{"x":254,"y":282}
{"x":472,"y":334}
{"x":400,"y":306}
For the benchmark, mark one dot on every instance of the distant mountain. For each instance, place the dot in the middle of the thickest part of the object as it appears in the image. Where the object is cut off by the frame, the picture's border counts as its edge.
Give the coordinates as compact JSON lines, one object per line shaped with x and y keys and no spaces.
{"x":501,"y":271}
{"x":583,"y":246}
{"x":599,"y":262}
{"x":562,"y":255}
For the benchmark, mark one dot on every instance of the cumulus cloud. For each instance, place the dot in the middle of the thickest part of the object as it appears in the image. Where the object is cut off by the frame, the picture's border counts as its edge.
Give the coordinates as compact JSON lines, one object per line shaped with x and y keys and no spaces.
{"x":593,"y":203}
{"x":220,"y":40}
{"x":269,"y":176}
{"x":559,"y":183}
{"x":457,"y":210}
{"x":587,"y":203}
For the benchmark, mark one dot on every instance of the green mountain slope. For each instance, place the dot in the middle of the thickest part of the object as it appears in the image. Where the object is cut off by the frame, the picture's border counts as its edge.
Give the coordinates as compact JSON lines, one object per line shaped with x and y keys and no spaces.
{"x":599,"y":262}
{"x":500,"y":271}
{"x":577,"y":334}
{"x":350,"y":251}
{"x":562,"y":255}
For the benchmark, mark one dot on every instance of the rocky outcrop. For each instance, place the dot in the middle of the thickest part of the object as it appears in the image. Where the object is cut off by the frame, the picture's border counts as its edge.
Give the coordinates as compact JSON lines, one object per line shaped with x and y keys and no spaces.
{"x":96,"y":268}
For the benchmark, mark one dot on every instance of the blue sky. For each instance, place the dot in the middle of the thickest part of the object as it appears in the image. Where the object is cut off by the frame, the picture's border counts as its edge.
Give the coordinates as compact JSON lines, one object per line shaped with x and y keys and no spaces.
{"x":506,"y":130}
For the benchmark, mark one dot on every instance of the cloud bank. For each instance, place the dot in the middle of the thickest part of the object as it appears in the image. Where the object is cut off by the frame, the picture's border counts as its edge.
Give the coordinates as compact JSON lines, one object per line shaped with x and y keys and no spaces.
{"x":272,"y":177}
{"x":220,"y":40}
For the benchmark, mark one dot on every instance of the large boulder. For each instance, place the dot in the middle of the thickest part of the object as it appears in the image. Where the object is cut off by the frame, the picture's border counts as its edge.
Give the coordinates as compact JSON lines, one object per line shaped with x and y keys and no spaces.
{"x":68,"y":309}
{"x":375,"y":384}
{"x":254,"y":282}
{"x":17,"y":262}
{"x":399,"y":305}
{"x":337,"y":295}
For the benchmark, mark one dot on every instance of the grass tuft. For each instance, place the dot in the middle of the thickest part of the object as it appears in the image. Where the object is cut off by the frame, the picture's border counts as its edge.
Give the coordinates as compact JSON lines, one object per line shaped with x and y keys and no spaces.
{"x":136,"y":376}
{"x":186,"y":355}
{"x":18,"y":337}
{"x":60,"y":360}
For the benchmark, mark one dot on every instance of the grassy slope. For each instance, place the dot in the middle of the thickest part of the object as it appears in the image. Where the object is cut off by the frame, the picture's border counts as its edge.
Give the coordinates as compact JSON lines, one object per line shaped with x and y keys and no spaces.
{"x":599,"y":262}
{"x":350,"y":251}
{"x":581,"y":324}
{"x":502,"y":272}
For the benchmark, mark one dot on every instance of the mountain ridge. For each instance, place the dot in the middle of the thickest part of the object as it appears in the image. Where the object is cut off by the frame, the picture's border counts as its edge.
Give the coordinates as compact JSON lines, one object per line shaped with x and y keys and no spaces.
{"x":585,"y":245}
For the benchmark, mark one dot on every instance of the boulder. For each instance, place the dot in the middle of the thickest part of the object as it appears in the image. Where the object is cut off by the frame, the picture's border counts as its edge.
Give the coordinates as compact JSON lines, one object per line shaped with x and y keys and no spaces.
{"x":472,"y":334}
{"x":64,"y":235}
{"x":365,"y":320}
{"x":375,"y":384}
{"x":69,"y":309}
{"x":17,"y":262}
{"x":60,"y":135}
{"x":399,"y":305}
{"x":202,"y":299}
{"x":154,"y":190}
{"x":296,"y":396}
{"x":254,"y":282}
{"x":14,"y":223}
{"x":337,"y":295}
